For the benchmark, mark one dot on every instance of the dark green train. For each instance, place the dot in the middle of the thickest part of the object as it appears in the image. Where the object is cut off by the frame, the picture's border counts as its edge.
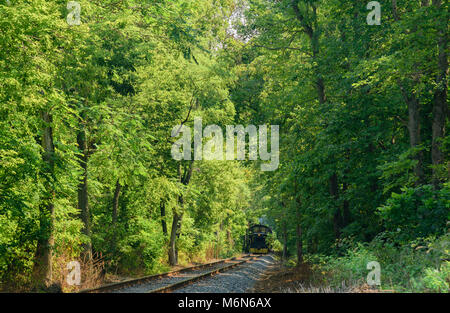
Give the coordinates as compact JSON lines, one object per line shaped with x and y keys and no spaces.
{"x":256,"y":239}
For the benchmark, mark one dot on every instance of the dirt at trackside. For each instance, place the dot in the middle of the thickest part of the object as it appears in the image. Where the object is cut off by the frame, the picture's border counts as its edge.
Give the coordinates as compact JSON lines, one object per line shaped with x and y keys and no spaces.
{"x":280,"y":278}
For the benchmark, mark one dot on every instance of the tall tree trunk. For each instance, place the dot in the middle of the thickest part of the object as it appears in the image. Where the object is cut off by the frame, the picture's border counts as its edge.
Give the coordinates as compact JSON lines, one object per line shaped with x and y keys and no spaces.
{"x":299,"y":244}
{"x":337,"y":213}
{"x":346,"y":206}
{"x":83,"y":205}
{"x":230,"y":238}
{"x":115,"y":207}
{"x":284,"y":256}
{"x":394,"y":10}
{"x":414,"y":136}
{"x":174,"y":233}
{"x":218,"y":246}
{"x":313,"y":34}
{"x":162,"y":206}
{"x":373,"y":179}
{"x":440,"y":106}
{"x":414,"y":131}
{"x":316,"y":244}
{"x":299,"y":237}
{"x":177,"y":217}
{"x":43,"y":257}
{"x":314,"y":41}
{"x":116,"y":202}
{"x":414,"y":119}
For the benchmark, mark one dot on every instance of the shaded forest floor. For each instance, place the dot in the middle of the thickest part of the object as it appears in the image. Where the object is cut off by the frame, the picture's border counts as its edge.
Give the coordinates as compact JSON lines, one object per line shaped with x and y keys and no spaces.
{"x":301,"y":279}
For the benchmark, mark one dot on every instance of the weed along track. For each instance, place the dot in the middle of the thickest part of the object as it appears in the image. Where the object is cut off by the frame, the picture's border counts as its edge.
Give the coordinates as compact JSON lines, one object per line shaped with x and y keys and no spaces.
{"x":175,"y":280}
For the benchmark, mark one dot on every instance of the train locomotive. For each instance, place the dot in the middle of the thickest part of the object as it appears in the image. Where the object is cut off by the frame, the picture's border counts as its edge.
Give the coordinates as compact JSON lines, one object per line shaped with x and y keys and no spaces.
{"x":256,"y":239}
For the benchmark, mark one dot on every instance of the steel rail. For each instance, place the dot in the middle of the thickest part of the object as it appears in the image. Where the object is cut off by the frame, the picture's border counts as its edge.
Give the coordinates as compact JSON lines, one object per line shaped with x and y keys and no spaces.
{"x":194,"y":279}
{"x":145,"y":279}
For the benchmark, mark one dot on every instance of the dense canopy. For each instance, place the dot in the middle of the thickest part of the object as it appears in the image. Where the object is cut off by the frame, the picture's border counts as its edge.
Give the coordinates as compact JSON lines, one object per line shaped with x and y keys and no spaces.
{"x":91,"y":90}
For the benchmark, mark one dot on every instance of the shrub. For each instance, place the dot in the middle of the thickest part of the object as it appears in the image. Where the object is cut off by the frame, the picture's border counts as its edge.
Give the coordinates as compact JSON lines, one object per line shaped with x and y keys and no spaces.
{"x":434,"y":280}
{"x":417,"y":212}
{"x":419,"y":266}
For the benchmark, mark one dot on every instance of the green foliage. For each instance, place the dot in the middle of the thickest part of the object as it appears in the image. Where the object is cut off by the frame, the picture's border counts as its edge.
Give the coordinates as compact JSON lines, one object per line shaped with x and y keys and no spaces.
{"x":400,"y":172}
{"x":114,"y":87}
{"x":141,"y":249}
{"x":435,"y":280}
{"x":350,"y":268}
{"x":417,"y":212}
{"x":341,"y":92}
{"x":273,"y":243}
{"x":418,"y":266}
{"x":356,"y":106}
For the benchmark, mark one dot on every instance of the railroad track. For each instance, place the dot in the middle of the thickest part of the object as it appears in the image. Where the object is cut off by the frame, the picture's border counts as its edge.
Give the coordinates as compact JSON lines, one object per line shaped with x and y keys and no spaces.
{"x":170,"y":281}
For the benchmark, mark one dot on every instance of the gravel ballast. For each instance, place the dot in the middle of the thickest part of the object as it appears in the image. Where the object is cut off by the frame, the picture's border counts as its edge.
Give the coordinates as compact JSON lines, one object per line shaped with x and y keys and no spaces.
{"x":237,"y":280}
{"x":164,"y":281}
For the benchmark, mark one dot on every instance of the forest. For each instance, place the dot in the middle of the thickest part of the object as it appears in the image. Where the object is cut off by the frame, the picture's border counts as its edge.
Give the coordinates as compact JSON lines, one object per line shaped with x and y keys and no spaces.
{"x":91,"y":90}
